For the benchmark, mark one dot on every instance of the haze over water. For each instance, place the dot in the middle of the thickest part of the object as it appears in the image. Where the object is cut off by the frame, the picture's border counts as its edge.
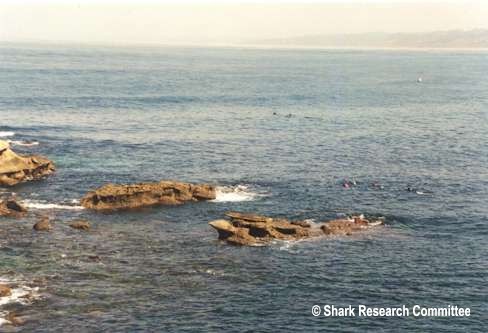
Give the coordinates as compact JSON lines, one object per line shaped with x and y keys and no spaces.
{"x":288,"y":126}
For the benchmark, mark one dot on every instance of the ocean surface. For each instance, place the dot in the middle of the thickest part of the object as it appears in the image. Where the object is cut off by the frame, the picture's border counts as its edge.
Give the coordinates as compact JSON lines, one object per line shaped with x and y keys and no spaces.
{"x":280,"y":132}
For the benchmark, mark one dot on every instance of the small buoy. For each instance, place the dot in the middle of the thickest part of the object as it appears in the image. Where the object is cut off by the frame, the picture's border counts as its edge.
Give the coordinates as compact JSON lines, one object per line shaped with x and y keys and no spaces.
{"x":419,"y":79}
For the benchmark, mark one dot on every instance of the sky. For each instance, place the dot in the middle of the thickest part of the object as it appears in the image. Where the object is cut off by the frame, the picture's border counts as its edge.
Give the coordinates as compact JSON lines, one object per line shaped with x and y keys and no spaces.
{"x":240,"y":21}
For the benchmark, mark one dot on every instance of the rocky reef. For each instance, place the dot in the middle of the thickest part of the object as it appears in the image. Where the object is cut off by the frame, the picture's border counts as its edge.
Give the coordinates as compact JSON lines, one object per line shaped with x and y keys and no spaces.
{"x":115,"y":197}
{"x":251,"y":229}
{"x":16,"y":169}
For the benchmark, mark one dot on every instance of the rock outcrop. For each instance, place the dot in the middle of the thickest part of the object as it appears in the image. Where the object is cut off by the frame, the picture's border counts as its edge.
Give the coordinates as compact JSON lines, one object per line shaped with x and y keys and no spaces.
{"x":43,"y":224}
{"x":251,"y":229}
{"x":115,"y":197}
{"x":9,"y":207}
{"x":16,"y":169}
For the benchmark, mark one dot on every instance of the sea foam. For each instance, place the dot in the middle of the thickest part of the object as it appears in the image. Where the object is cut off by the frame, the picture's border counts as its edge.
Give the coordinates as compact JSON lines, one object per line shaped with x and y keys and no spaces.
{"x":20,"y":293}
{"x":236,"y":194}
{"x":6,"y":134}
{"x":37,"y":204}
{"x":24,"y":143}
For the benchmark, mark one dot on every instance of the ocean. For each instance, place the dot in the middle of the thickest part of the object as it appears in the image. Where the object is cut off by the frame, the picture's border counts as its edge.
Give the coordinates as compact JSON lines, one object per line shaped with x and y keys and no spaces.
{"x":279,"y":132}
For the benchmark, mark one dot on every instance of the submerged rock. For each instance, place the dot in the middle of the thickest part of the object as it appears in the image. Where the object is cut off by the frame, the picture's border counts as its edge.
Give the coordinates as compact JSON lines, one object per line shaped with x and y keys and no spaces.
{"x":43,"y":224}
{"x":9,"y":207}
{"x":15,"y":168}
{"x":80,"y":225}
{"x":251,"y":229}
{"x":95,"y":258}
{"x":114,"y":197}
{"x":5,"y":290}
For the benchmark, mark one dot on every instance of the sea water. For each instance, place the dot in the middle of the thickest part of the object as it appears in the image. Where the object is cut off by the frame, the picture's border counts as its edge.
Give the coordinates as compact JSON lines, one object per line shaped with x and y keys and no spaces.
{"x":281,"y":132}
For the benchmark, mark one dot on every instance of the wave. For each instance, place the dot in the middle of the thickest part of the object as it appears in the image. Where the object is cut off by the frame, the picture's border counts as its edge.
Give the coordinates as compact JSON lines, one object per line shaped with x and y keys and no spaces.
{"x":37,"y":204}
{"x":236,"y":194}
{"x":6,"y":134}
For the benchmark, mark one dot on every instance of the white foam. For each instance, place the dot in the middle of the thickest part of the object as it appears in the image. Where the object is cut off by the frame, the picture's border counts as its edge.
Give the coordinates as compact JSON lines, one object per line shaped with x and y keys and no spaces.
{"x":2,"y":320}
{"x":35,"y":204}
{"x":235,"y":194}
{"x":6,"y":134}
{"x":20,"y":293}
{"x":312,"y":222}
{"x":24,"y":143}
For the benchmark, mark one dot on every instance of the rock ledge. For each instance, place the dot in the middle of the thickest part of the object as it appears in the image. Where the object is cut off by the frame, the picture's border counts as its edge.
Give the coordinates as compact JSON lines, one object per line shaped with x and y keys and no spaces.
{"x":251,"y":229}
{"x":115,"y":197}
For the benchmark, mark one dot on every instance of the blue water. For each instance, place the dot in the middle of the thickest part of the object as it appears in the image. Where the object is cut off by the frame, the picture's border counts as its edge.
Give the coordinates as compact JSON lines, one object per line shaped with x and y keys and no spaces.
{"x":221,"y":116}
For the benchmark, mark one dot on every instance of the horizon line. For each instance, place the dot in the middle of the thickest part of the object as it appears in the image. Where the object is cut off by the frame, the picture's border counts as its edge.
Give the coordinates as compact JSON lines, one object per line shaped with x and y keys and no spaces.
{"x":234,"y":46}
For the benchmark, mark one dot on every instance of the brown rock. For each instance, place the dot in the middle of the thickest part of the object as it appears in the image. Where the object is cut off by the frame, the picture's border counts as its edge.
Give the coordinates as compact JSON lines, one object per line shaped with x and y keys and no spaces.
{"x":95,"y":258}
{"x":251,"y":229}
{"x":14,"y":319}
{"x":5,"y":290}
{"x":43,"y":224}
{"x":11,"y":208}
{"x":80,"y":225}
{"x":347,"y":226}
{"x":15,"y":168}
{"x":233,"y":235}
{"x":114,"y":197}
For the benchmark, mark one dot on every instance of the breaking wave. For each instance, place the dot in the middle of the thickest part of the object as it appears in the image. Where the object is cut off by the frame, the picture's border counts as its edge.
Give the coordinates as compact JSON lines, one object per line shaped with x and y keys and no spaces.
{"x":5,"y":134}
{"x":236,"y":194}
{"x":20,"y":293}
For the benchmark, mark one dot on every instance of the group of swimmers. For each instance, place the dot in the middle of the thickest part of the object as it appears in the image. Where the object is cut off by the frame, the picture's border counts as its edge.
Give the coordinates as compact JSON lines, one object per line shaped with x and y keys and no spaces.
{"x":348,"y":184}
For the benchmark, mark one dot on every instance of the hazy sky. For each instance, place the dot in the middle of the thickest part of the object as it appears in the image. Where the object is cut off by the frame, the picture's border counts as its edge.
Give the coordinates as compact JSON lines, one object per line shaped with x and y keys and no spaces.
{"x":201,"y":22}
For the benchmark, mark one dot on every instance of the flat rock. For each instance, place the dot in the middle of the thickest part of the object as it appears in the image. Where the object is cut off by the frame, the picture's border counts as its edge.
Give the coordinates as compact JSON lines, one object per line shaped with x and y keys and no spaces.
{"x":115,"y":197}
{"x":15,"y":169}
{"x":251,"y":229}
{"x":248,"y":217}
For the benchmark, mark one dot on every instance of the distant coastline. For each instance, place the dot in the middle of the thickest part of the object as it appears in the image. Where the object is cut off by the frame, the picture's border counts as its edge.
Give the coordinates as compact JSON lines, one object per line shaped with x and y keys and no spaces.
{"x":63,"y":44}
{"x":454,"y":39}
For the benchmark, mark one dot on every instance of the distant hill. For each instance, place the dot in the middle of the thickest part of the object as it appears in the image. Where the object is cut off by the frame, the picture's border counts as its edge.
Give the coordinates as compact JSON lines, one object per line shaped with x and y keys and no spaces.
{"x":438,"y":39}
